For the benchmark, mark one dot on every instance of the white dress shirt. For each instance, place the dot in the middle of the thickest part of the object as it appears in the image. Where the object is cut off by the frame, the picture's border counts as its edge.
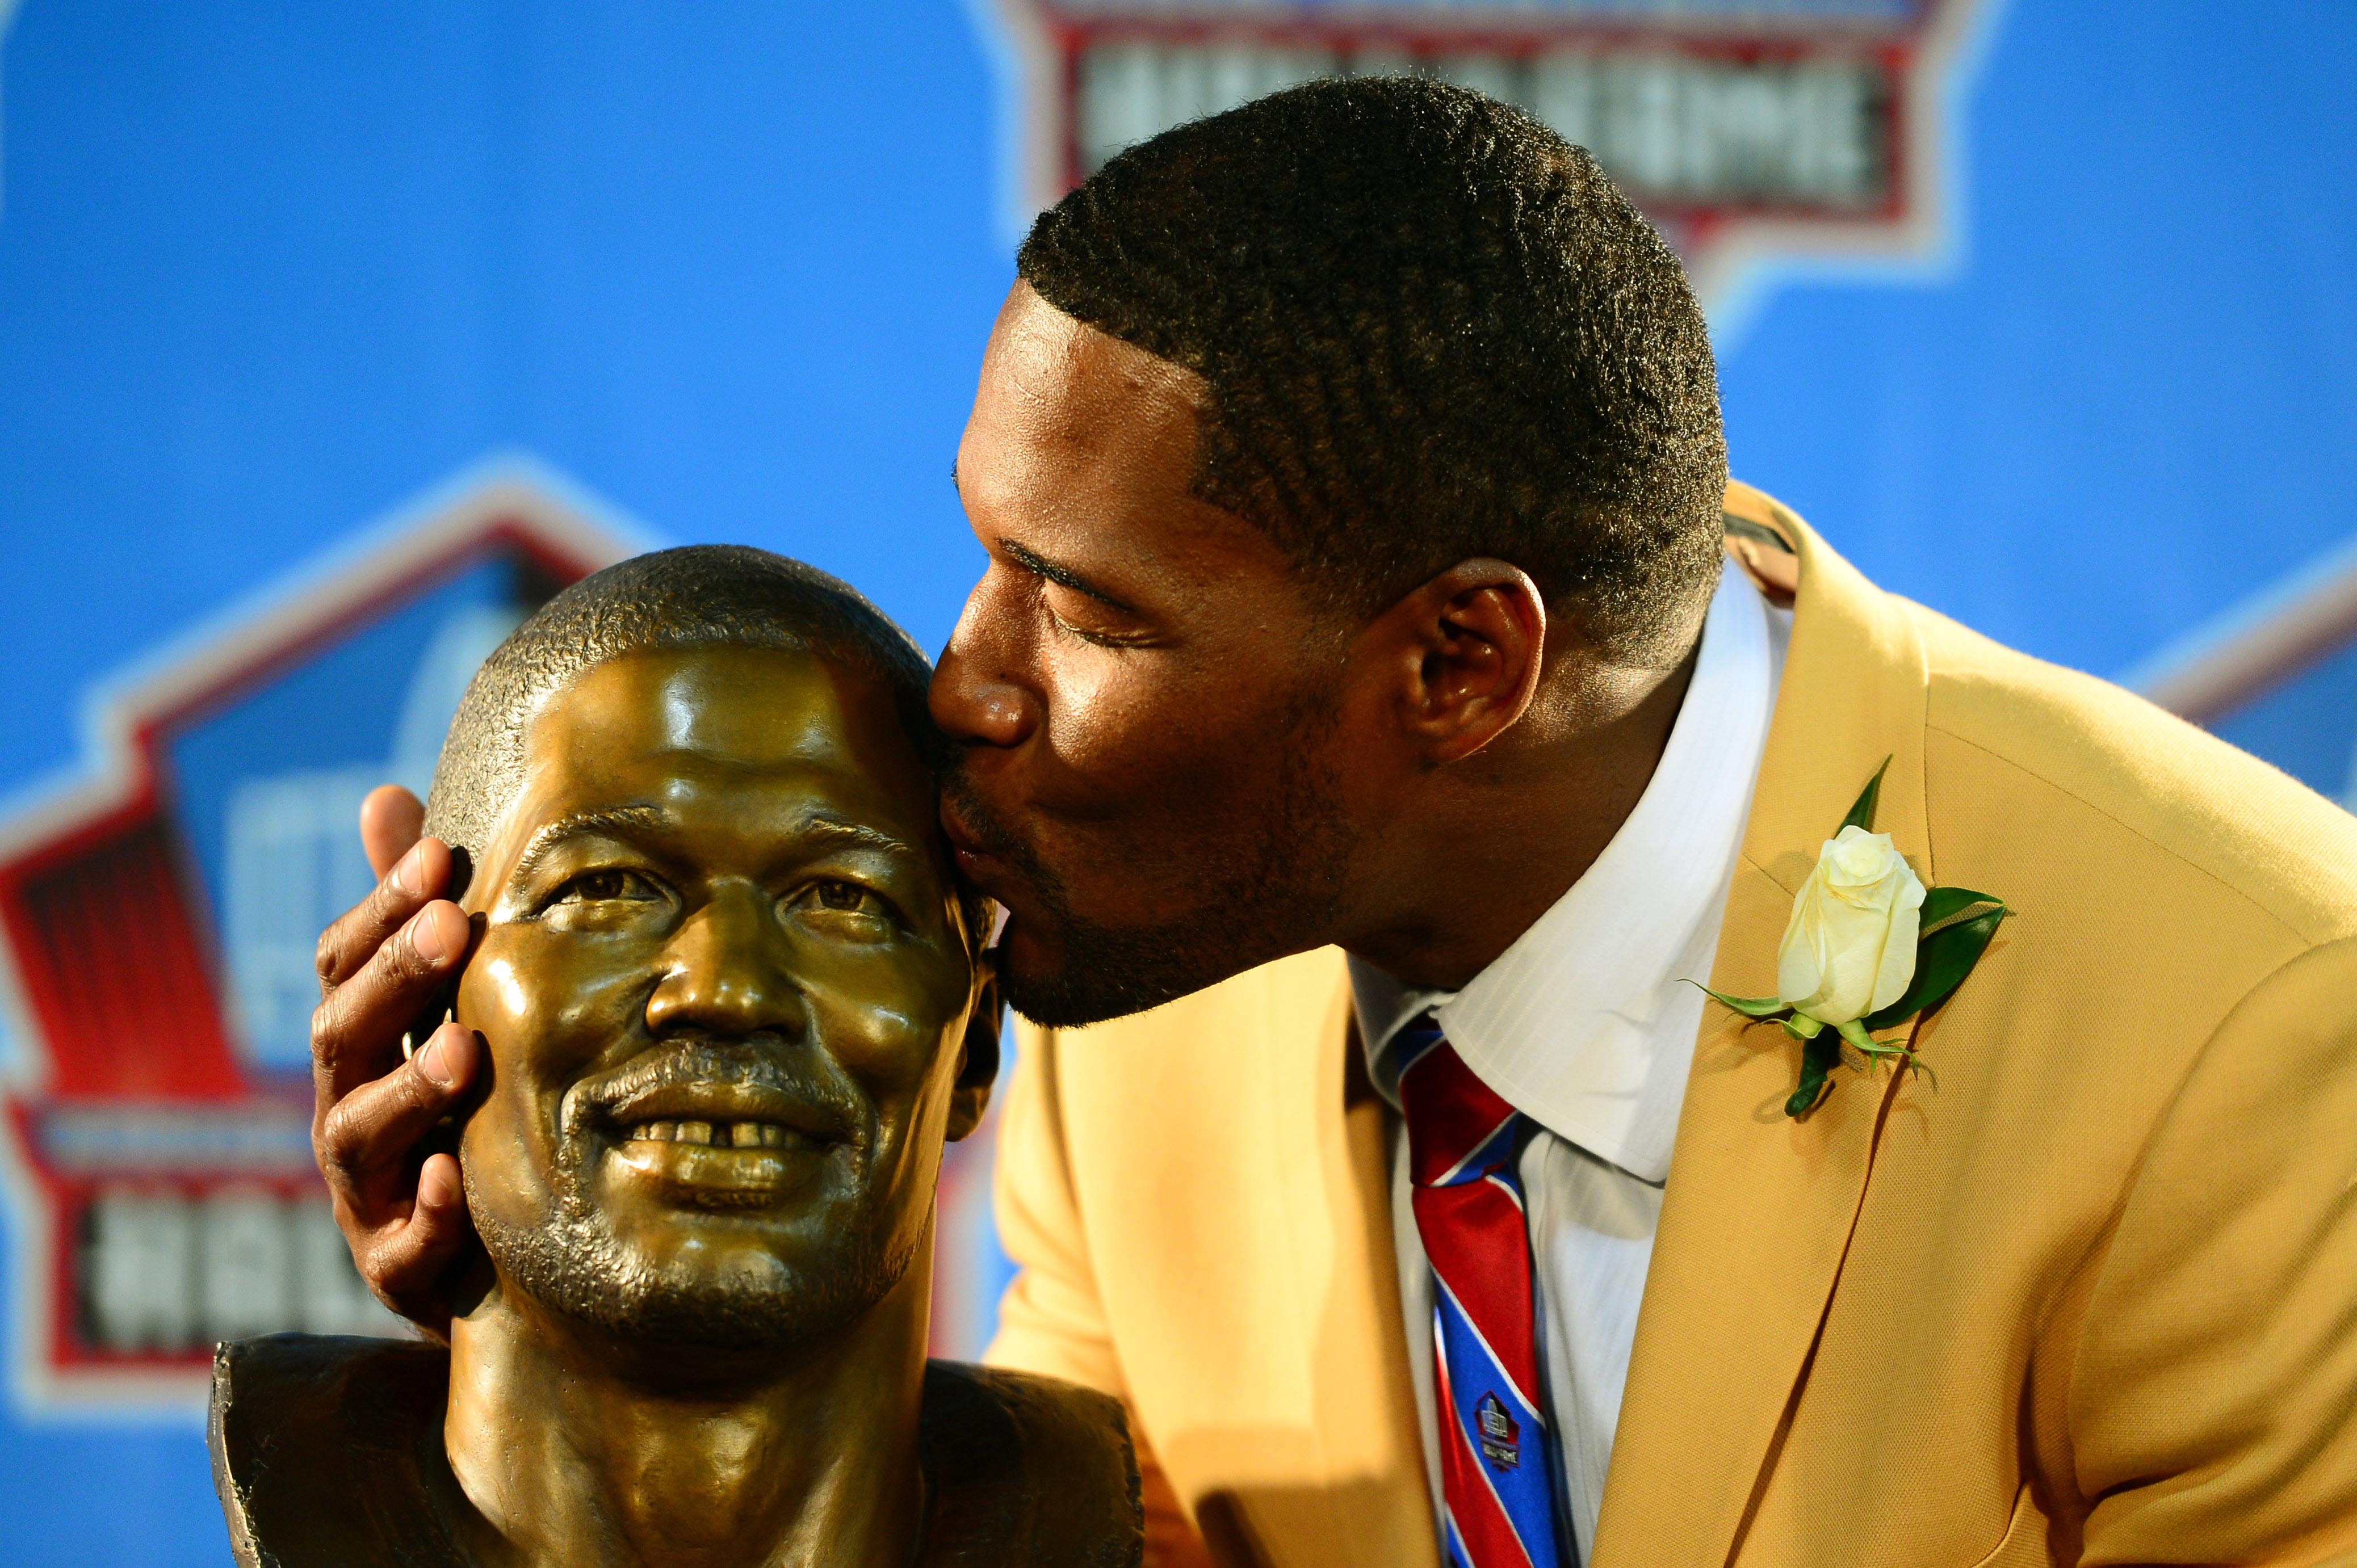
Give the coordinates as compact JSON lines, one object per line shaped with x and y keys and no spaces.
{"x":1586,"y":1026}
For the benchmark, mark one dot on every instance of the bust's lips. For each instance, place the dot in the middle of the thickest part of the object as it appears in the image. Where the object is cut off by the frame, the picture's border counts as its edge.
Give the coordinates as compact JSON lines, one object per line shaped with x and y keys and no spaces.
{"x":705,"y":1175}
{"x":722,"y":1112}
{"x":718,"y":1124}
{"x":718,"y":1142}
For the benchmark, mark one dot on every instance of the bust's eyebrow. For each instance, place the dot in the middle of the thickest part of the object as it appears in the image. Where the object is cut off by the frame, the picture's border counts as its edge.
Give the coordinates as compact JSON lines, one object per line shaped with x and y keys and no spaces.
{"x":827,"y":825}
{"x":629,"y":822}
{"x":611,"y":821}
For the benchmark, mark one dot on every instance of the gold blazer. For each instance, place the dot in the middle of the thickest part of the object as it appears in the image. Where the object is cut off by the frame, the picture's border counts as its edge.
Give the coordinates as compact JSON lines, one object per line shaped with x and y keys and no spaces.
{"x":2092,"y":1299}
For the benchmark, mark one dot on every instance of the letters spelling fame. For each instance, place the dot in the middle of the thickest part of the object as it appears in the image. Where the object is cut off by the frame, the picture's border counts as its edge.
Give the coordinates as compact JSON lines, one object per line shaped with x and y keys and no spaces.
{"x":158,"y":916}
{"x":1501,"y":1434}
{"x":1748,"y":130}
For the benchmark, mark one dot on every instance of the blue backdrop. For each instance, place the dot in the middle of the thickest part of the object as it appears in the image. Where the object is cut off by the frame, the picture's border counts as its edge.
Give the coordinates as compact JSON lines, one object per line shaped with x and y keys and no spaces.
{"x":265,"y":272}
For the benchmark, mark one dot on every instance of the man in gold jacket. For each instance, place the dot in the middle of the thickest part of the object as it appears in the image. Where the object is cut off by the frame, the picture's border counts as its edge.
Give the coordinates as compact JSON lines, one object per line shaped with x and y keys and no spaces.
{"x":1364,"y":579}
{"x":2083,"y":1290}
{"x":2091,"y":1299}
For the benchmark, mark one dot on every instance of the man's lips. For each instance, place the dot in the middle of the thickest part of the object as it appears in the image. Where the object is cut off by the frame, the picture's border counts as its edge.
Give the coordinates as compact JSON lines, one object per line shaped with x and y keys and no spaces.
{"x":975,"y":855}
{"x":963,"y":838}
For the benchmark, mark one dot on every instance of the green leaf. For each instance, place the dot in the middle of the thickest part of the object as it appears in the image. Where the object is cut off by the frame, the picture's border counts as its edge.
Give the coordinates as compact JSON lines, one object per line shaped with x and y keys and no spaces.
{"x":1971,"y":910}
{"x":1818,"y":1060}
{"x":1946,"y":905}
{"x":1876,"y":1052}
{"x":1854,"y":1033}
{"x":1750,"y":1006}
{"x":1957,"y":924}
{"x":1862,"y":814}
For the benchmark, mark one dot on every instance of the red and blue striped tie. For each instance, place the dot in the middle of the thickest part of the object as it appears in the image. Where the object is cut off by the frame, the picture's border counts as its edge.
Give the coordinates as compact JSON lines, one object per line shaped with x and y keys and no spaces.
{"x":1498,"y":1463}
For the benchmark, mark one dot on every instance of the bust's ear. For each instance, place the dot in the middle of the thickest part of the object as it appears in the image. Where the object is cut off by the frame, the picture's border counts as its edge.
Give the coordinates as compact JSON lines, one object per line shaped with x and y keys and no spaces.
{"x":978,"y":1054}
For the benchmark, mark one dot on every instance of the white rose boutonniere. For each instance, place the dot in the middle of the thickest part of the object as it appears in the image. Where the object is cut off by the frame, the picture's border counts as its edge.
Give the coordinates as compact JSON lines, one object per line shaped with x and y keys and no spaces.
{"x":1869,"y":946}
{"x":1850,"y":947}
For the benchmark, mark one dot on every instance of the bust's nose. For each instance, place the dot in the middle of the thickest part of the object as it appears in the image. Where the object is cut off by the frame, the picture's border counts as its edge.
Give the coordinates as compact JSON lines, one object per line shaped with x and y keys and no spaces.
{"x":980,"y":694}
{"x":724,"y":970}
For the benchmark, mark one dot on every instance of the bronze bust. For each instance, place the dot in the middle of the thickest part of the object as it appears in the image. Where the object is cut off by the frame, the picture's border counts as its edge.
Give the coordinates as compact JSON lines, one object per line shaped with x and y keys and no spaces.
{"x":733,"y":1002}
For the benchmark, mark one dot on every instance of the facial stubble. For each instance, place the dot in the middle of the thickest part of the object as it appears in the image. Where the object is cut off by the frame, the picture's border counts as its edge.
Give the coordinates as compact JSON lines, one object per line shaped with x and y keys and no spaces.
{"x":1274,"y":890}
{"x":573,"y":1261}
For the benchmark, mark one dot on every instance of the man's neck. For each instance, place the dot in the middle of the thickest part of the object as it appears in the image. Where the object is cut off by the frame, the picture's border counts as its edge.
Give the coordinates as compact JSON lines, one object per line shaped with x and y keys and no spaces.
{"x":805,"y":1461}
{"x":1506,"y":833}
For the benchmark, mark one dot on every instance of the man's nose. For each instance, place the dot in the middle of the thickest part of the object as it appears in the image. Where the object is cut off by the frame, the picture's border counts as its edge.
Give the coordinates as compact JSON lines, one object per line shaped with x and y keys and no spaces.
{"x":724,"y":970}
{"x":978,"y":695}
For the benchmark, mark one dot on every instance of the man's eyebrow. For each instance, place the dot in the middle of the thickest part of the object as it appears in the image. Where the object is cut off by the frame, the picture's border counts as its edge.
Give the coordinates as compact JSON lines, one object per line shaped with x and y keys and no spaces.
{"x":608,"y":821}
{"x":1065,"y":576}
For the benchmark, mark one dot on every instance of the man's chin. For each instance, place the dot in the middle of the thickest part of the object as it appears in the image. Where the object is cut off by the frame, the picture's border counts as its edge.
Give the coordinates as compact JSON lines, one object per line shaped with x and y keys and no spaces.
{"x":1072,"y":975}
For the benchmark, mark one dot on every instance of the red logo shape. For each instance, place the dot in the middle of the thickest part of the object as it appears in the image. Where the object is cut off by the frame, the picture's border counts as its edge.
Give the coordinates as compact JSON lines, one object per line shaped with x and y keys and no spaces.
{"x":152,"y":921}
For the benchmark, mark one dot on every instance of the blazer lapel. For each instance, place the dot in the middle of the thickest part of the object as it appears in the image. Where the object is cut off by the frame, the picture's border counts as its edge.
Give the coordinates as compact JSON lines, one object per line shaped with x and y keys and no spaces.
{"x":1374,"y":1450}
{"x":1253,"y":1258}
{"x":1757,"y":1215}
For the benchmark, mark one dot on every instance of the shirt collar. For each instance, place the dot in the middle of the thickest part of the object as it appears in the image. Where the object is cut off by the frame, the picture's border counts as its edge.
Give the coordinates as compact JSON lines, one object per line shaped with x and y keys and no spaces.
{"x":1563,"y":1023}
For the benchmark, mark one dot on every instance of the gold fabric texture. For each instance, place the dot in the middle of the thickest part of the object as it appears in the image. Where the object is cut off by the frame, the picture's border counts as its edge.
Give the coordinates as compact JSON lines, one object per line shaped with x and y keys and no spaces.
{"x":2092,"y":1298}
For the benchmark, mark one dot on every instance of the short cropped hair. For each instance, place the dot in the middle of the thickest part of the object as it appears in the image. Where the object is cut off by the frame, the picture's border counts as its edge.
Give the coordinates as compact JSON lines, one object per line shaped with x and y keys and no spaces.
{"x":696,"y":596}
{"x":1430,"y":329}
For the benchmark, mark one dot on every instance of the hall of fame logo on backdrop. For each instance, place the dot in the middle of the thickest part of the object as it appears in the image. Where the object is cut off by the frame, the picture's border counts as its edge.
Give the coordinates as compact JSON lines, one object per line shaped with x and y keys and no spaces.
{"x":158,"y":919}
{"x":1760,"y":135}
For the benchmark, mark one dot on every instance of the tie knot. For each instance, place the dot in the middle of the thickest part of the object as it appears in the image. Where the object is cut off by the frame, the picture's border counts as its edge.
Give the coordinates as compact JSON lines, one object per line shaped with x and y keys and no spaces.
{"x":1459,"y":1128}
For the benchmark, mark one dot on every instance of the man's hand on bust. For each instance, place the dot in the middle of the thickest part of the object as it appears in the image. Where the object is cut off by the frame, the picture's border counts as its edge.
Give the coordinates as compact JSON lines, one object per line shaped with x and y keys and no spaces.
{"x":380,"y":966}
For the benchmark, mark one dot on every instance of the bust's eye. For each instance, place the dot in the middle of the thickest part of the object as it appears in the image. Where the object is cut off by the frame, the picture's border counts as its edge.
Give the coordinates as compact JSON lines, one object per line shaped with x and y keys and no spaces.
{"x":842,"y":896}
{"x":605,"y":887}
{"x":833,"y":896}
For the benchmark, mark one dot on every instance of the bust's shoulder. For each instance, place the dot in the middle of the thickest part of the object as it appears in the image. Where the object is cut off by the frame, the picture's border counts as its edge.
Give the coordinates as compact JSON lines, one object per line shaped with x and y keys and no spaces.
{"x":329,"y":1452}
{"x":300,"y":1421}
{"x":1027,"y":1470}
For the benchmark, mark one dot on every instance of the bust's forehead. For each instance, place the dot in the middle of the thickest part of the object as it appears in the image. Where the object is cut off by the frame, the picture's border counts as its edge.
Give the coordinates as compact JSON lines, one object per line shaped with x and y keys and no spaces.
{"x":720,"y":728}
{"x":754,"y":706}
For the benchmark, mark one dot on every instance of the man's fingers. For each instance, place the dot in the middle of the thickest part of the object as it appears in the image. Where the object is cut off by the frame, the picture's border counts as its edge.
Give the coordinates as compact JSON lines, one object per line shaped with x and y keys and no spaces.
{"x":379,"y":964}
{"x":440,"y":1194}
{"x":404,"y":1236}
{"x":403,"y":1262}
{"x":416,"y":878}
{"x":376,"y":1126}
{"x":356,"y":1029}
{"x":390,"y":819}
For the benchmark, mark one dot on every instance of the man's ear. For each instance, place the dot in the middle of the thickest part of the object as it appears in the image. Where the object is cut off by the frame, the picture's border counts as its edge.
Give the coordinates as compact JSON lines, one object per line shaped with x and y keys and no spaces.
{"x":1468,"y":647}
{"x":978,"y":1054}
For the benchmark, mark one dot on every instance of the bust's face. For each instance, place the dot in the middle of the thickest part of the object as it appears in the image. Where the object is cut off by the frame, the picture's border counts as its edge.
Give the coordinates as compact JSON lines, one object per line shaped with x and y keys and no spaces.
{"x":724,"y":987}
